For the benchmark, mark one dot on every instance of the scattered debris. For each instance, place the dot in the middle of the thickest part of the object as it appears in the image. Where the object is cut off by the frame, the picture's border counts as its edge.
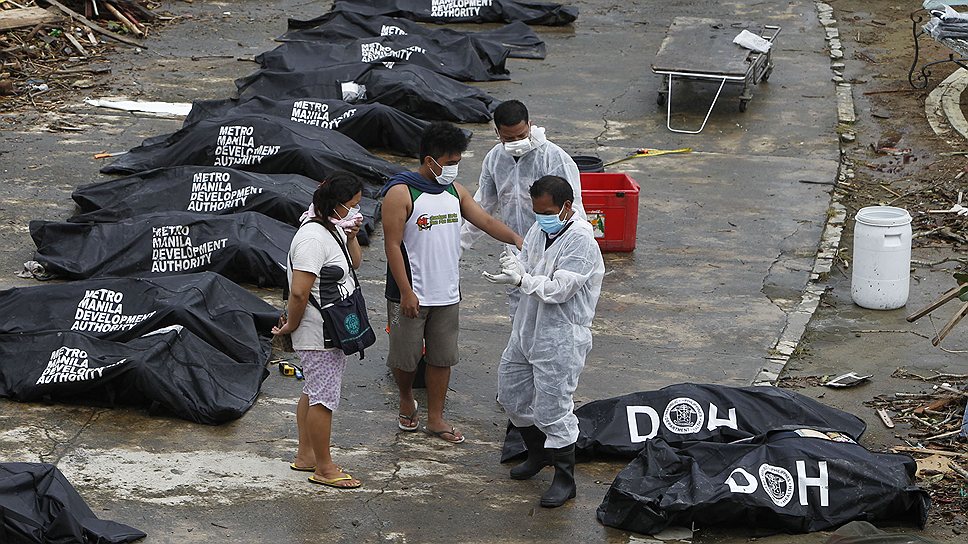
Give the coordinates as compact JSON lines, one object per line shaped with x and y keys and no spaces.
{"x":936,"y":417}
{"x":849,"y":379}
{"x":56,"y":50}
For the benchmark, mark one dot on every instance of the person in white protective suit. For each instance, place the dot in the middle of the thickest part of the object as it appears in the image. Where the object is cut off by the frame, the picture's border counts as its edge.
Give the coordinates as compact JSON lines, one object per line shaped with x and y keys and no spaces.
{"x":522,"y":156}
{"x":559,"y":274}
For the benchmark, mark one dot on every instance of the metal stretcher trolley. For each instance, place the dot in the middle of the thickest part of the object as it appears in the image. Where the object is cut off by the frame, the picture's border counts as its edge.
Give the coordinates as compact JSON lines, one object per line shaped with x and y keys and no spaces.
{"x":703,"y":49}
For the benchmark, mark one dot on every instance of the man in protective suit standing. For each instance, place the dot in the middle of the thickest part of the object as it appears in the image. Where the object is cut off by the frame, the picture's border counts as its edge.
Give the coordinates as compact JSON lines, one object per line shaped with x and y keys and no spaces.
{"x":559,"y":275}
{"x":522,"y":156}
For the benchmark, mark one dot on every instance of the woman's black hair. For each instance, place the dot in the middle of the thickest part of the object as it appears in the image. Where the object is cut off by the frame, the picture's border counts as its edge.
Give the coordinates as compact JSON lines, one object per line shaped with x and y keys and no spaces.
{"x":337,"y":188}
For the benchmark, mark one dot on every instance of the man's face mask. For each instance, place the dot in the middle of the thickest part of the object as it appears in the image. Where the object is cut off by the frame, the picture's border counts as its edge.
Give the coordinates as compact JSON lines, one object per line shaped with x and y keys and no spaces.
{"x":447,"y":173}
{"x":551,"y":223}
{"x":518,"y":148}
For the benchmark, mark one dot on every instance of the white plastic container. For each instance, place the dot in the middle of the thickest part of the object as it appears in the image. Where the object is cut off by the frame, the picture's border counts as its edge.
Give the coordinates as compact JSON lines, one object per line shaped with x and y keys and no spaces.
{"x":882,"y":258}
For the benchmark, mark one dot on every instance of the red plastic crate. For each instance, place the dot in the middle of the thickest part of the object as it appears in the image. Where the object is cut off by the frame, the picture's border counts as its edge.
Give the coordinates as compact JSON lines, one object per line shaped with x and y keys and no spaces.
{"x":612,"y":204}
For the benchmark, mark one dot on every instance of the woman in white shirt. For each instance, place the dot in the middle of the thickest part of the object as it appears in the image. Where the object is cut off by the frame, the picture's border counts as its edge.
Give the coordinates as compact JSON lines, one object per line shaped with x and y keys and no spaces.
{"x":319,"y":258}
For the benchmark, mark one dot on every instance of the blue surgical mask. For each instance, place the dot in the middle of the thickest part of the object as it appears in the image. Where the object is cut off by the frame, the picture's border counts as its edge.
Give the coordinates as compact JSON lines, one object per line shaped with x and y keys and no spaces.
{"x":447,"y":173}
{"x":550,"y":223}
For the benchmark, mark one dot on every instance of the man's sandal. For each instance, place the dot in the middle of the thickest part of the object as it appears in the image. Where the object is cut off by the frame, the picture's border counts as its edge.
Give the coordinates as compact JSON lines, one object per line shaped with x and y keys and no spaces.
{"x":411,"y":420}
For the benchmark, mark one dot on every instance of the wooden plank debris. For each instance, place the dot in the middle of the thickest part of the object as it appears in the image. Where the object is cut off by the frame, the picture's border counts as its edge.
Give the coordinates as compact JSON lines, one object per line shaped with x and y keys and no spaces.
{"x":93,"y":26}
{"x":26,"y":17}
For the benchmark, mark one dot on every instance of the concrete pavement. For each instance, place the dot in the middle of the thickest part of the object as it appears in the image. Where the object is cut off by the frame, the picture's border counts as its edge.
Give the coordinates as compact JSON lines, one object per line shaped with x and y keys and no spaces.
{"x":726,"y":239}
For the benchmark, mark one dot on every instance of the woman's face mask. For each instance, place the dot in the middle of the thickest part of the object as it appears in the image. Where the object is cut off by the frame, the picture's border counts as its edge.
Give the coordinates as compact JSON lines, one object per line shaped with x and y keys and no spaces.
{"x":447,"y":173}
{"x":352,"y":217}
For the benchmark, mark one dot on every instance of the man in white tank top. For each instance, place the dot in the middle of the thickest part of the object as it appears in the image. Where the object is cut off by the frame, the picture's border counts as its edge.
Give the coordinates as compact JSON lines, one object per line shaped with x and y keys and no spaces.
{"x":422,"y":216}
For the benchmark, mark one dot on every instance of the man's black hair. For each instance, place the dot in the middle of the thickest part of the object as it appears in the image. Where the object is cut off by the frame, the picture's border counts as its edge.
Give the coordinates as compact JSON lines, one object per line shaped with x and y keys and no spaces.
{"x":510,"y":113}
{"x":337,"y":188}
{"x":442,"y":138}
{"x":559,"y":189}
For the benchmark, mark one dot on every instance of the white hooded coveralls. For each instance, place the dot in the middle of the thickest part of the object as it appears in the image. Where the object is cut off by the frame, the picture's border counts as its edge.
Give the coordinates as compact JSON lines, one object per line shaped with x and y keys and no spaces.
{"x":551,"y":331}
{"x":504,"y":188}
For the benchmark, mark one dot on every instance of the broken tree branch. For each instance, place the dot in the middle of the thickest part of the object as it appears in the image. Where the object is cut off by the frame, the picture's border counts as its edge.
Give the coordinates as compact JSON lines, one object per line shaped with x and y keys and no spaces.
{"x":93,"y":26}
{"x":123,"y":20}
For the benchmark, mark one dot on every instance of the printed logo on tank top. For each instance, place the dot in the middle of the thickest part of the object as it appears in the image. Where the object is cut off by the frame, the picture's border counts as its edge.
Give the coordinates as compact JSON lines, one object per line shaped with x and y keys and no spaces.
{"x":426,"y":221}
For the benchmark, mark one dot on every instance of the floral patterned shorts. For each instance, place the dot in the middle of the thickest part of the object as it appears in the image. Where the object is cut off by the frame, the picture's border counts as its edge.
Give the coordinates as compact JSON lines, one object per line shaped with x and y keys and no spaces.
{"x":323,"y":373}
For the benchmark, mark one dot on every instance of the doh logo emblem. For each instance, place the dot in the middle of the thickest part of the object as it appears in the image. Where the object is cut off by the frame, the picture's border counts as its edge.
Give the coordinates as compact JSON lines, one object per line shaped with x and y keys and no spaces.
{"x":683,"y":416}
{"x":778,"y":484}
{"x":423,"y":222}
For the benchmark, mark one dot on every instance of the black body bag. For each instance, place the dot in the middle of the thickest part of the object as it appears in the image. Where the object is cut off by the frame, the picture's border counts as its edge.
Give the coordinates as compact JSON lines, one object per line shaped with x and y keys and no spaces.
{"x":38,"y":505}
{"x":793,"y":481}
{"x":515,"y":40}
{"x":438,"y":11}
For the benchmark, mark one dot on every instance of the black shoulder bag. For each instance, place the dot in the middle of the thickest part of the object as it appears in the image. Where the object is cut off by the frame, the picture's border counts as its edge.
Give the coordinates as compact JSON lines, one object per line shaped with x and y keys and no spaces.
{"x":345,"y":322}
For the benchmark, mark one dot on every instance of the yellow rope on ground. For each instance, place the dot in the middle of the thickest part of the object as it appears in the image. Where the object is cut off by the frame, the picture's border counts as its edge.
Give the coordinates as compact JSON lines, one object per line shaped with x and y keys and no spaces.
{"x":638,"y":153}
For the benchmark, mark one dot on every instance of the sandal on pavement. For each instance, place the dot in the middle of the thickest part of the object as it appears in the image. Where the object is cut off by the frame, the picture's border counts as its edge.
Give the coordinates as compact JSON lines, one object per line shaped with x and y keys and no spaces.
{"x":309,"y":469}
{"x":441,"y":435}
{"x":411,"y":420}
{"x":334,"y":482}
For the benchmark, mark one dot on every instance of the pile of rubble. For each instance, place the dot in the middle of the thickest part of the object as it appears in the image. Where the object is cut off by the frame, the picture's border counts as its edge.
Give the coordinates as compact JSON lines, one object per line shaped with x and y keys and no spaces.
{"x":49,"y":46}
{"x":937,"y":417}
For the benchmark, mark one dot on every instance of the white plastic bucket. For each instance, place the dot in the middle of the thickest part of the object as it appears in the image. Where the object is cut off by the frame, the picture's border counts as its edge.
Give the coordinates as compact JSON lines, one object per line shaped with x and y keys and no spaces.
{"x":882,"y":258}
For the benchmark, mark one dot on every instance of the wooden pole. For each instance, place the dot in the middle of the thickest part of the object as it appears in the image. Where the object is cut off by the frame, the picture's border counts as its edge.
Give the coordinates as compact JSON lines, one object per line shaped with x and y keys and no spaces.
{"x":93,"y":26}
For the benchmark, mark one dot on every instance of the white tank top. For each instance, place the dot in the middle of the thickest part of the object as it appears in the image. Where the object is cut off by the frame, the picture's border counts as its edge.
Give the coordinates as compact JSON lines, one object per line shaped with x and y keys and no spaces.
{"x":431,"y":246}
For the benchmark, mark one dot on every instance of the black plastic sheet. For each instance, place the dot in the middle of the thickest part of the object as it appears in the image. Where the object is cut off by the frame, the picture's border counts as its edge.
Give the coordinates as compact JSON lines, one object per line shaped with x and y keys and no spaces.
{"x":258,"y":143}
{"x":515,"y":40}
{"x":411,"y":89}
{"x":169,"y":372}
{"x":39,"y":506}
{"x":246,"y":247}
{"x":373,"y":126}
{"x":781,"y":481}
{"x":457,"y":59}
{"x":464,"y":11}
{"x":622,"y":426}
{"x":213,"y":308}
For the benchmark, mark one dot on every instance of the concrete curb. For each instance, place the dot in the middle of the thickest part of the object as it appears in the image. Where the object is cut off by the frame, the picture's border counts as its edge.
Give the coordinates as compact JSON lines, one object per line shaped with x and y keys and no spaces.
{"x":798,"y":319}
{"x":942,"y":107}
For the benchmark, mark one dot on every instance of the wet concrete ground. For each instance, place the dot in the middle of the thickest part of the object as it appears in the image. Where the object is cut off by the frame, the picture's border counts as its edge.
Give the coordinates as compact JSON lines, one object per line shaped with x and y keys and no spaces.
{"x":726,"y":238}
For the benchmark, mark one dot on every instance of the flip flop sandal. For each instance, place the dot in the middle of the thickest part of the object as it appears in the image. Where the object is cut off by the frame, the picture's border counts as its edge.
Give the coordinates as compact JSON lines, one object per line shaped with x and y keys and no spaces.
{"x":440,"y":435}
{"x":334,"y":483}
{"x":411,"y":419}
{"x":309,"y":469}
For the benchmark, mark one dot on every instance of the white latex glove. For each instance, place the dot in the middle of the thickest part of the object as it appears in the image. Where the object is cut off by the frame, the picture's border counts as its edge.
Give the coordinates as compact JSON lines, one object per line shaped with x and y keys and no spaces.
{"x":506,"y":276}
{"x":510,"y":262}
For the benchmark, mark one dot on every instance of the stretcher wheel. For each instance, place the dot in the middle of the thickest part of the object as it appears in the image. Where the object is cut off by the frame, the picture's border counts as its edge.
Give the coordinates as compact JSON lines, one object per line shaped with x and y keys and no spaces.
{"x":660,"y":99}
{"x":766,"y":74}
{"x":743,"y":104}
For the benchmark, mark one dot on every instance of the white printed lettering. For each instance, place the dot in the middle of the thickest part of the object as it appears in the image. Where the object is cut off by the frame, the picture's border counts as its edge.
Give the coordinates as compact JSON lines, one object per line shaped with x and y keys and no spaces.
{"x":715,"y":422}
{"x":821,"y":482}
{"x":633,"y":411}
{"x":750,"y":485}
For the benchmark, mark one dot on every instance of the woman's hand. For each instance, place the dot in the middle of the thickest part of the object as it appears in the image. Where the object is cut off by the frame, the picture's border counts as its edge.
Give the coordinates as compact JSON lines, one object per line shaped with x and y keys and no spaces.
{"x":352,"y":231}
{"x":282,"y":327}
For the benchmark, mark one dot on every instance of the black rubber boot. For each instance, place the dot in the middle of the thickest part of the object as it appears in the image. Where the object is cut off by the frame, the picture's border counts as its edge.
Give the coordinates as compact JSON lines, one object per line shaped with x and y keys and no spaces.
{"x":538,"y":456}
{"x":563,"y":486}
